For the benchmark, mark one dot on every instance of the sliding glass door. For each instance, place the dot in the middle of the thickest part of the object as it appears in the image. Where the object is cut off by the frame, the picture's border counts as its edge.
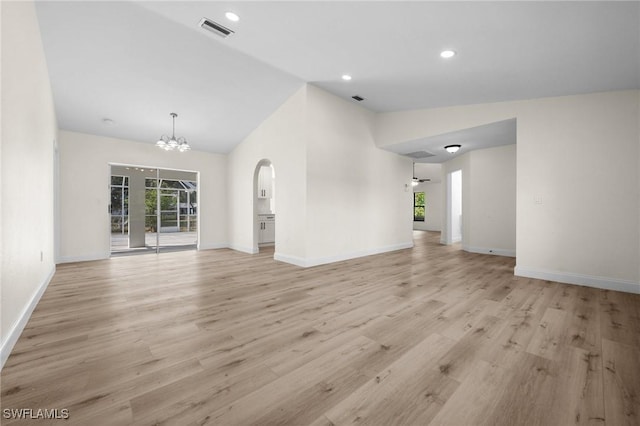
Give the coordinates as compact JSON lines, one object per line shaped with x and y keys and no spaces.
{"x":152,"y":210}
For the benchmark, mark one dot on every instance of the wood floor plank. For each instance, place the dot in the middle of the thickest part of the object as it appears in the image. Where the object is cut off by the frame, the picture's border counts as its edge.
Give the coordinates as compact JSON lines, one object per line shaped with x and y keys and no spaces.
{"x":470,"y":406}
{"x":247,"y":409}
{"x":620,"y":317}
{"x":408,"y":391}
{"x":550,"y":336}
{"x":621,"y":383}
{"x":430,"y":335}
{"x":579,"y":369}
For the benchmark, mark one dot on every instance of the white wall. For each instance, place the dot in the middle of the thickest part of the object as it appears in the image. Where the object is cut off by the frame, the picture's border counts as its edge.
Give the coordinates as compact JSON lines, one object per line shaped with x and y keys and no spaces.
{"x":338,"y":196}
{"x":84,"y":194}
{"x":281,"y":140}
{"x":578,"y":155}
{"x":357,"y":202}
{"x":463,"y":163}
{"x":28,"y":132}
{"x":454,"y":206}
{"x":433,"y":210}
{"x":433,"y":195}
{"x":492,"y":220}
{"x":488,"y":200}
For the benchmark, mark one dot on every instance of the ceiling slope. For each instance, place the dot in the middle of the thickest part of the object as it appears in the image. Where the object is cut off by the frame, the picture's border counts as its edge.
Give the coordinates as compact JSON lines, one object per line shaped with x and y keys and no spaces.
{"x":135,"y":62}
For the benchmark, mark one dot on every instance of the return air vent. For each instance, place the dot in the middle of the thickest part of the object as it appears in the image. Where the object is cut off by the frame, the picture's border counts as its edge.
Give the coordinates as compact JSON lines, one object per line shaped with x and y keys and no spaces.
{"x":358,"y":98}
{"x":419,"y":154}
{"x":215,"y":28}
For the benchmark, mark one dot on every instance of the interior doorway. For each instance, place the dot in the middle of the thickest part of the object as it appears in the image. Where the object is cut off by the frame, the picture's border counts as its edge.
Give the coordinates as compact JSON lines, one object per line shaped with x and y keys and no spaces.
{"x":454,"y":207}
{"x":152,"y":210}
{"x":264,"y":206}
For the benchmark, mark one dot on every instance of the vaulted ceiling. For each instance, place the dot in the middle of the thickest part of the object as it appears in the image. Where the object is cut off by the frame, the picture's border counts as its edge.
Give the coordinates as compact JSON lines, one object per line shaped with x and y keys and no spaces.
{"x":135,"y":62}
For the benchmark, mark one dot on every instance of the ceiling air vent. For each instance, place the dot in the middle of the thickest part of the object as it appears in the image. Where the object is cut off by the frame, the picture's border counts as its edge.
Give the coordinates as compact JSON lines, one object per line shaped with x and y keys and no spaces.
{"x":419,"y":154}
{"x":358,"y":98}
{"x":215,"y":28}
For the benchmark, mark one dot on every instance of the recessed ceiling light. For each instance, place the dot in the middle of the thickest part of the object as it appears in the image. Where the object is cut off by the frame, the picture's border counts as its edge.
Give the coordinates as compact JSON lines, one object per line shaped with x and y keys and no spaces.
{"x":232,"y":16}
{"x":447,"y":54}
{"x":346,"y":77}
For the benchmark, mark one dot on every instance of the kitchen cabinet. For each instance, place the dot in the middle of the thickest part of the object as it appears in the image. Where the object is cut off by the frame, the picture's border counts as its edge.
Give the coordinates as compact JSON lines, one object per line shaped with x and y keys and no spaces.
{"x":266,"y":229}
{"x":265,"y":182}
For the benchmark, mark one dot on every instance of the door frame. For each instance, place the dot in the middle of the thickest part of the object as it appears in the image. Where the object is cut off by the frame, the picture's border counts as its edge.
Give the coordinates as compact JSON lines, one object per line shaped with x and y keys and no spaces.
{"x":157,"y":168}
{"x":265,"y":162}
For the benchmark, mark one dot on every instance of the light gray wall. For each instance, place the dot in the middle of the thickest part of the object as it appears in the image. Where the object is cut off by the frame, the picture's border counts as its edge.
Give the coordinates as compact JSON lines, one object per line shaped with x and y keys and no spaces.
{"x":492,"y":226}
{"x":578,"y":189}
{"x":281,"y":139}
{"x":462,"y":162}
{"x":357,"y":200}
{"x":433,"y":211}
{"x":333,"y":202}
{"x":27,"y":183}
{"x":84,"y":219}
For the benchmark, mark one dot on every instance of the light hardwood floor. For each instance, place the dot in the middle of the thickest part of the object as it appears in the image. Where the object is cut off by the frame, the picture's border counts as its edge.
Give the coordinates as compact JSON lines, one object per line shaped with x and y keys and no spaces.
{"x":427,"y":336}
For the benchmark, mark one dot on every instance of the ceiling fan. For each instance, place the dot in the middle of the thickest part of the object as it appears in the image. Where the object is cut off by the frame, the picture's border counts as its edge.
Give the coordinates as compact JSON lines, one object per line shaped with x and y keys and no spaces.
{"x":415,"y":181}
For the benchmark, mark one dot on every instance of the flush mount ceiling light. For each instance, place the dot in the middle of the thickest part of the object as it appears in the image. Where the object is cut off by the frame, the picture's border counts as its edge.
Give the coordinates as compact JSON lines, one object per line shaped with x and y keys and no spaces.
{"x":170,"y":143}
{"x":447,"y":54}
{"x":452,"y":149}
{"x":346,"y":77}
{"x":232,"y":16}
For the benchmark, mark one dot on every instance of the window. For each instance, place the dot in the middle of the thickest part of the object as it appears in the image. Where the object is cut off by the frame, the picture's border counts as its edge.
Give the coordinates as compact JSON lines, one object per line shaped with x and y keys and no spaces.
{"x":418,"y":206}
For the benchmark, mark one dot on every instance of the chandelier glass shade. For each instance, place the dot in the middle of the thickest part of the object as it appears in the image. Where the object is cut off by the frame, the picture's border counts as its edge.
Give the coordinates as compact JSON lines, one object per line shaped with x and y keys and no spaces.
{"x":172,"y":143}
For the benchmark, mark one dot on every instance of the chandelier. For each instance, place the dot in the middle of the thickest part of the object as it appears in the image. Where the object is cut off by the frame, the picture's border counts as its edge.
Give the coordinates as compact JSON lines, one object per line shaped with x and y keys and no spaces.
{"x":170,"y":143}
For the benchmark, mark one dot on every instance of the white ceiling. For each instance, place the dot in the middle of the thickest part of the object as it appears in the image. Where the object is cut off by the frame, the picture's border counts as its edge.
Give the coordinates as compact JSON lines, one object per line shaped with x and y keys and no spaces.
{"x":135,"y":62}
{"x":480,"y":137}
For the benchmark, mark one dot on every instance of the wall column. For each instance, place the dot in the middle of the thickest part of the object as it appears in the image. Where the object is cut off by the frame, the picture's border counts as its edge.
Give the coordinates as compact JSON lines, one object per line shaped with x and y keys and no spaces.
{"x":136,"y":210}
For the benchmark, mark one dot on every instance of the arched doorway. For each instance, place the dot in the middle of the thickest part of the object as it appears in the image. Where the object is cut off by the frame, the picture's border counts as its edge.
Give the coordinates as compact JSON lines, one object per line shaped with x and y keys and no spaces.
{"x":264,"y":206}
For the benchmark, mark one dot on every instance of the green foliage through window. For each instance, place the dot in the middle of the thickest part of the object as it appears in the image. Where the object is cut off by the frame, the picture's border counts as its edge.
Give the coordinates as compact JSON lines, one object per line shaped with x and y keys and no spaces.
{"x":418,"y":206}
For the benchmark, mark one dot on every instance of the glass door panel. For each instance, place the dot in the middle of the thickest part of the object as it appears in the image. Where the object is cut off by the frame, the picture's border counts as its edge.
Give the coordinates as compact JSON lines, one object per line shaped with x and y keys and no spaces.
{"x":178,"y":212}
{"x":152,"y":209}
{"x":119,"y":212}
{"x":151,"y":214}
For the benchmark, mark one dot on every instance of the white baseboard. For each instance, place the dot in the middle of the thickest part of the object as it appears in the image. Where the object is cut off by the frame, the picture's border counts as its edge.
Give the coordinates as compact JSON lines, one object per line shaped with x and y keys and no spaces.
{"x":294,"y":260}
{"x":307,"y":263}
{"x":243,"y":249}
{"x":18,"y":326}
{"x":426,"y":228}
{"x":84,"y":257}
{"x":494,"y":251}
{"x":212,"y":246}
{"x":579,"y":279}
